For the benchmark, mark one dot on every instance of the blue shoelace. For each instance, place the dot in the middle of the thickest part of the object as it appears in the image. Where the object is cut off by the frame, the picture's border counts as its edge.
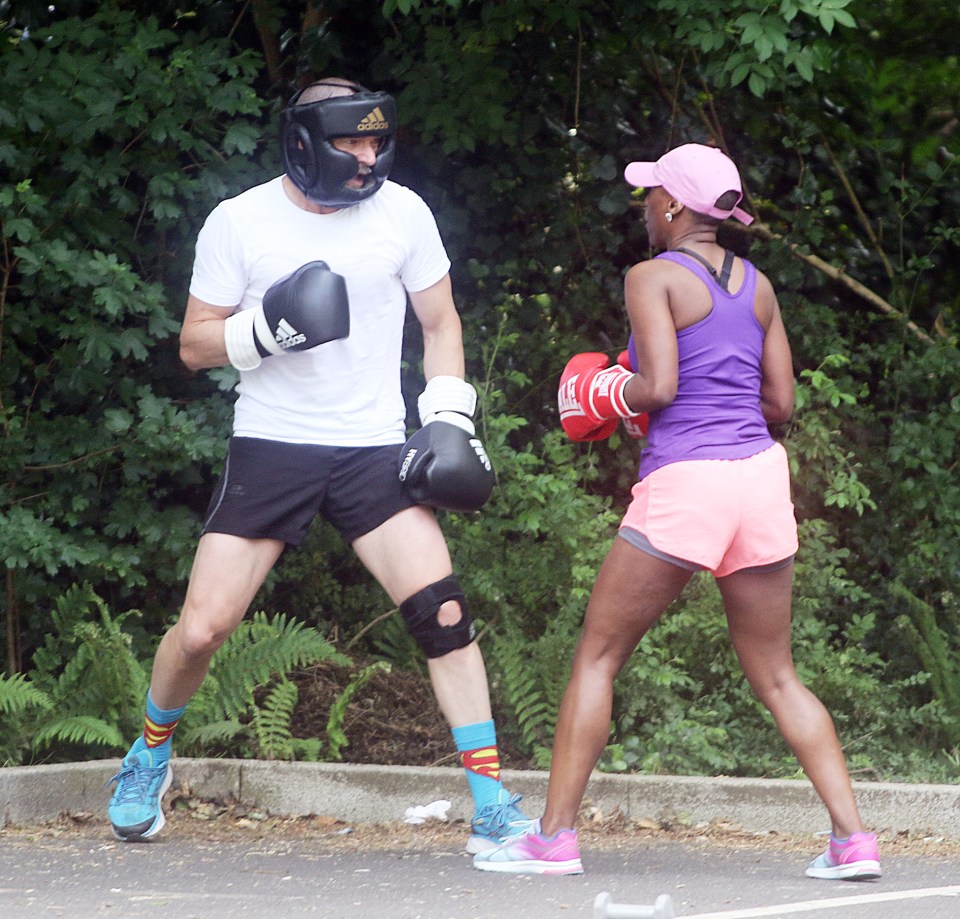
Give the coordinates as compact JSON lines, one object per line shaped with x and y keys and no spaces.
{"x":134,"y":781}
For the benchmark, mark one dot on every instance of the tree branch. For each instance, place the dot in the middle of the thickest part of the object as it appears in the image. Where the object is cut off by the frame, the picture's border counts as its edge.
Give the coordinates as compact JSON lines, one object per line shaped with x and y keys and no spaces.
{"x":80,"y":459}
{"x":764,"y":232}
{"x":268,"y":40}
{"x":855,"y":201}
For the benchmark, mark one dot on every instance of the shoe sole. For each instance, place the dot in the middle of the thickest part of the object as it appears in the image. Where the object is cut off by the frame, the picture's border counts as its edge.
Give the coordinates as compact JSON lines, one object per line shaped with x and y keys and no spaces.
{"x":157,"y":824}
{"x":571,"y":866}
{"x":855,"y":871}
{"x":478,"y":844}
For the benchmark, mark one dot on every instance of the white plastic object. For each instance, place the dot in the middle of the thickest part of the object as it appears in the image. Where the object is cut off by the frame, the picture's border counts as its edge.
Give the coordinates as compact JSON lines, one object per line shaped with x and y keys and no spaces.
{"x":605,"y":908}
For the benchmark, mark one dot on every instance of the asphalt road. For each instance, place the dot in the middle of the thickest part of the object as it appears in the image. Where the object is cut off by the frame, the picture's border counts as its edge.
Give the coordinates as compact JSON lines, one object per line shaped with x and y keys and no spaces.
{"x":422,"y":874}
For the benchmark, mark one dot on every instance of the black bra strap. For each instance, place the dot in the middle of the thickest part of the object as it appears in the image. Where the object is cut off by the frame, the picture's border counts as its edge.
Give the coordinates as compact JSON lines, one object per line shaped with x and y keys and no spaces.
{"x":725,"y":271}
{"x":723,"y":279}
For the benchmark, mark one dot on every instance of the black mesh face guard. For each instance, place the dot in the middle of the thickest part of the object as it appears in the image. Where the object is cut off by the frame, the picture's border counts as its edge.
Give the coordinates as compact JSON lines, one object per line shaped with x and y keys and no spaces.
{"x":319,"y":169}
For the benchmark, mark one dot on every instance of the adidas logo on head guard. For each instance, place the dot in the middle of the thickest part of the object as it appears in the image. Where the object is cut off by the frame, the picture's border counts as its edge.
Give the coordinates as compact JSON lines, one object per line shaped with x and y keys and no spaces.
{"x":375,"y":121}
{"x":287,"y":336}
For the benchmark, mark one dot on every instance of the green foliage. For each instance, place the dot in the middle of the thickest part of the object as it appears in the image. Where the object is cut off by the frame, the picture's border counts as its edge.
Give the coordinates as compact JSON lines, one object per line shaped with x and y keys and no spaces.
{"x":392,"y":643}
{"x":132,"y":119}
{"x":245,"y":705}
{"x":88,"y":666}
{"x":86,"y":693}
{"x":938,"y":652}
{"x":820,"y":462}
{"x":914,"y":460}
{"x":86,"y":690}
{"x":20,"y":703}
{"x":336,"y":738}
{"x":531,"y":675}
{"x":542,"y":525}
{"x":682,"y":705}
{"x":757,"y":44}
{"x":123,"y":134}
{"x":271,"y":721}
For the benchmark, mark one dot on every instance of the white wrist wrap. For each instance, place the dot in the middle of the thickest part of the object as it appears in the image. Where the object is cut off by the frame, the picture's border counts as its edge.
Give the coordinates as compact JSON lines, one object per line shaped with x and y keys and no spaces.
{"x":446,"y":394}
{"x":240,"y":343}
{"x":263,"y":333}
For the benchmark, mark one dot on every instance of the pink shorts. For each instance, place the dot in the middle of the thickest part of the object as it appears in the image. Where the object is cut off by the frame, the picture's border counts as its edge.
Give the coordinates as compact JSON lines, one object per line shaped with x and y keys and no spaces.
{"x":718,"y":515}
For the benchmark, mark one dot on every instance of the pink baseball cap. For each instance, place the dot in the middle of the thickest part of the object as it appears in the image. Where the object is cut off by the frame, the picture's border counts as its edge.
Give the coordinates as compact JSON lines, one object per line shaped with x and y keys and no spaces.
{"x":696,"y":175}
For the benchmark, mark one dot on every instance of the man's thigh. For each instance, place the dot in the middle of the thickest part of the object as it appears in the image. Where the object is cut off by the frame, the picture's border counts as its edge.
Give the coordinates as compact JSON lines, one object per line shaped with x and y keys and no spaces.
{"x":227,"y":573}
{"x":405,"y":553}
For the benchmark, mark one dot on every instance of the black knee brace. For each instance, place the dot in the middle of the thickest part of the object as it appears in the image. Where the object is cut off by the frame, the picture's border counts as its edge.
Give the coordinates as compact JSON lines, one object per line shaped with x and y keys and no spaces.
{"x":420,"y":614}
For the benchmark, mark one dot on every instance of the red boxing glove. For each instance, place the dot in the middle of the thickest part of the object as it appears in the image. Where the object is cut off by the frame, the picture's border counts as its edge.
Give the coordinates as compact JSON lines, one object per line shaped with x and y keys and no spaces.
{"x":637,"y":425}
{"x":591,"y":396}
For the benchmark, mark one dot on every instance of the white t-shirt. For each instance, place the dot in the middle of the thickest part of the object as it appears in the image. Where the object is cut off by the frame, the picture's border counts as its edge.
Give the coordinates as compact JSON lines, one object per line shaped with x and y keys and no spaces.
{"x":342,"y":393}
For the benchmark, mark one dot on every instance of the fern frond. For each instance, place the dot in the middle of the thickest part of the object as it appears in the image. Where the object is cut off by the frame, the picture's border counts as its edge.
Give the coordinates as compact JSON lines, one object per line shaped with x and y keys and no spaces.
{"x":87,"y":666}
{"x":392,"y":641}
{"x":196,"y":738}
{"x":259,"y":651}
{"x":531,"y":676}
{"x":18,"y":695}
{"x":524,"y":690}
{"x":272,"y":720}
{"x":80,"y":729}
{"x":336,"y":738}
{"x":307,"y":749}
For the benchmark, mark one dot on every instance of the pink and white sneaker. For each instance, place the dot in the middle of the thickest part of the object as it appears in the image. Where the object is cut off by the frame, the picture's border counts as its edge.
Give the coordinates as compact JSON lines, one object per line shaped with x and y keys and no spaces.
{"x":853,"y":859}
{"x":534,"y":854}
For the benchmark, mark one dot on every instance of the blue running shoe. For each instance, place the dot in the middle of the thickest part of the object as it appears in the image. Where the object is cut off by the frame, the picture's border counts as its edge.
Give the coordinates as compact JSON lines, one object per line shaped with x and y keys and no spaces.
{"x":498,"y":823}
{"x":135,"y":811}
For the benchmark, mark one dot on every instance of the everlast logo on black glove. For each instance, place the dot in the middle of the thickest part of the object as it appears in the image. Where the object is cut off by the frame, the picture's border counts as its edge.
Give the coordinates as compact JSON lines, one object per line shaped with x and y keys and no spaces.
{"x":481,"y":454}
{"x":442,"y":466}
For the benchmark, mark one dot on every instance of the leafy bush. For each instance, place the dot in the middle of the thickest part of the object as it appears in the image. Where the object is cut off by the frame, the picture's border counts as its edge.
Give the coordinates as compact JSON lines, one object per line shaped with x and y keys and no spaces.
{"x":132,"y":119}
{"x":683,"y":706}
{"x":86,"y":691}
{"x":85,"y":696}
{"x":246,"y":703}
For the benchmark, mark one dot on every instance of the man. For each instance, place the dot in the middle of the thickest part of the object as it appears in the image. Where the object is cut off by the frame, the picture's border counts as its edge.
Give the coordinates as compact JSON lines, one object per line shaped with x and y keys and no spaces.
{"x":302,"y":284}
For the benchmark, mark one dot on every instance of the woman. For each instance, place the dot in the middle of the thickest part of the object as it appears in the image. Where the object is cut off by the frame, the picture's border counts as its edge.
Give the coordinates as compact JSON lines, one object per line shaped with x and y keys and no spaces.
{"x":710,"y":362}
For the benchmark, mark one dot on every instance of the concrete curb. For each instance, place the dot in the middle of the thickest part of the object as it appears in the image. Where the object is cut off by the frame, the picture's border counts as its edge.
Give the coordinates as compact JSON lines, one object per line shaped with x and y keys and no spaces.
{"x":361,"y":794}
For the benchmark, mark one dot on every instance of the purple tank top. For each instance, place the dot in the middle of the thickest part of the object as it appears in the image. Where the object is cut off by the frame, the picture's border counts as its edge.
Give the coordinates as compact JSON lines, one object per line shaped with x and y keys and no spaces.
{"x":716,"y":413}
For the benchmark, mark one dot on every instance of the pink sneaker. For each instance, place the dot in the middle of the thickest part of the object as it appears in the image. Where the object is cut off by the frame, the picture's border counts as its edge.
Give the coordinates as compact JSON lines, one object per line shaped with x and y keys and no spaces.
{"x":534,"y":854}
{"x":853,"y":859}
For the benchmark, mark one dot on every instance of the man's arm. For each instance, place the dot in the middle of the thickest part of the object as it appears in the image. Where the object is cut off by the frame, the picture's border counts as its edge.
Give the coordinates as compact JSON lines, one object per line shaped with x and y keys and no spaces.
{"x":202,"y":336}
{"x":308,"y":307}
{"x":444,"y":464}
{"x":442,"y":331}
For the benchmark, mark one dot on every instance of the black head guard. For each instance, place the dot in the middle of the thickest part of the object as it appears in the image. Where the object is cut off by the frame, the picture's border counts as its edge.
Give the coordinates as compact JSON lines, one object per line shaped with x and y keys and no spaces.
{"x":319,"y":169}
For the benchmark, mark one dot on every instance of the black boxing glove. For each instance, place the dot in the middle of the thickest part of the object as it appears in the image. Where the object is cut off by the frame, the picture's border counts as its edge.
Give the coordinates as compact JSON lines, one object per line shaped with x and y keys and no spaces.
{"x":444,"y":465}
{"x":306,"y":308}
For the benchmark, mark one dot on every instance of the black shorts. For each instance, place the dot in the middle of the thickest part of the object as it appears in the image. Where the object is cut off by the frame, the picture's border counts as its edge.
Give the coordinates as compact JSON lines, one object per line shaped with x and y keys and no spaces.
{"x":273,"y":490}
